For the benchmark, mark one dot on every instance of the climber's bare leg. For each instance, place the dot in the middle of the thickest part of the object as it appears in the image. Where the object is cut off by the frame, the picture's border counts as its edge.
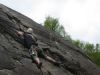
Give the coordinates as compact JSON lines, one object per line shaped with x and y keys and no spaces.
{"x":50,"y":59}
{"x":35,"y":58}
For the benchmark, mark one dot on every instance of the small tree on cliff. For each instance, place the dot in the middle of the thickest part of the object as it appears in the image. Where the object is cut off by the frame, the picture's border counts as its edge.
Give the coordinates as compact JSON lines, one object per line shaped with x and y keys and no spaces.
{"x":54,"y":25}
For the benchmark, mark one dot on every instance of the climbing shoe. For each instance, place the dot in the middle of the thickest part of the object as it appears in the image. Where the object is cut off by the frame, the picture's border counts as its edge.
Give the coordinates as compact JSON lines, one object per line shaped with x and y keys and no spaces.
{"x":57,"y":63}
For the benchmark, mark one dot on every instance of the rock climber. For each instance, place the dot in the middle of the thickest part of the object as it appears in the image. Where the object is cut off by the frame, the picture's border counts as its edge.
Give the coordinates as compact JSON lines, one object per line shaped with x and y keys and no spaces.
{"x":30,"y":41}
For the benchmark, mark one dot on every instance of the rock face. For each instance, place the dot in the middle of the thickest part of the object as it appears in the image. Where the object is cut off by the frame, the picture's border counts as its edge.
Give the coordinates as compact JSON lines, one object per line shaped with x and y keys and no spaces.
{"x":15,"y":59}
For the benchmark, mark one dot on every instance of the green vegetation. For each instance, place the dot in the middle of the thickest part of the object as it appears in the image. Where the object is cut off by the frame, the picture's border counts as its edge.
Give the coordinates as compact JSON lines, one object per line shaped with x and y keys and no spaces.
{"x":54,"y":25}
{"x":93,"y":51}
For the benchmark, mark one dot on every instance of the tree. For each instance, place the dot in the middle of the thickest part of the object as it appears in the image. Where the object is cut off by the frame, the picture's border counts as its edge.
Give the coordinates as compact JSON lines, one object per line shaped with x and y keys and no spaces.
{"x":89,"y":48}
{"x":79,"y":43}
{"x":54,"y":25}
{"x":97,"y":47}
{"x":51,"y":23}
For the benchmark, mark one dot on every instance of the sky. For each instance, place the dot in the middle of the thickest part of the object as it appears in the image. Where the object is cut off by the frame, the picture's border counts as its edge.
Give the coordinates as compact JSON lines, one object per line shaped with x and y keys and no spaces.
{"x":80,"y":18}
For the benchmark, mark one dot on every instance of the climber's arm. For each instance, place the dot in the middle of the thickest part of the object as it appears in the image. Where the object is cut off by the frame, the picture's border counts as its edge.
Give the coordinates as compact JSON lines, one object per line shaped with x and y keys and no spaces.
{"x":20,"y":33}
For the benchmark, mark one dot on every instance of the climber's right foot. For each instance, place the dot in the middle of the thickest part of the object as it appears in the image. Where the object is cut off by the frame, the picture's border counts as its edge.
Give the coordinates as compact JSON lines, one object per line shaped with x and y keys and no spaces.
{"x":39,"y":65}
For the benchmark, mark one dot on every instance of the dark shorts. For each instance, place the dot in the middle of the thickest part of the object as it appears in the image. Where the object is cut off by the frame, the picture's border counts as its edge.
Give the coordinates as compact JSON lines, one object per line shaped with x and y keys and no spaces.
{"x":36,"y":51}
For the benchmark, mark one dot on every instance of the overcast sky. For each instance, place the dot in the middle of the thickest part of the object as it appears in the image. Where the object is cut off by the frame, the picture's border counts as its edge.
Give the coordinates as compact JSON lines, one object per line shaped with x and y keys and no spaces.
{"x":81,"y":18}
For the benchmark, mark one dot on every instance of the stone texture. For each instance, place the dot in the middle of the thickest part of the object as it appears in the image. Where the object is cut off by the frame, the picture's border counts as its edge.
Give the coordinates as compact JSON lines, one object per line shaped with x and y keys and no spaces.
{"x":15,"y":59}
